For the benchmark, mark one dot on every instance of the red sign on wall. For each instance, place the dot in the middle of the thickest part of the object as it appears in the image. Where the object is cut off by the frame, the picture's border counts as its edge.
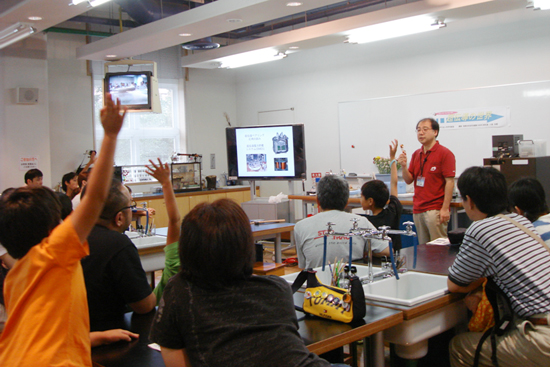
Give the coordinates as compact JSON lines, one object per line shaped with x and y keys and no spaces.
{"x":316,"y":175}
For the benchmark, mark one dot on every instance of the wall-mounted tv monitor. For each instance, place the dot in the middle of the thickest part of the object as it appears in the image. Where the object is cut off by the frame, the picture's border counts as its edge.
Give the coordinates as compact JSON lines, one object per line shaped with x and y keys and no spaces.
{"x":274,"y":152}
{"x":132,"y":88}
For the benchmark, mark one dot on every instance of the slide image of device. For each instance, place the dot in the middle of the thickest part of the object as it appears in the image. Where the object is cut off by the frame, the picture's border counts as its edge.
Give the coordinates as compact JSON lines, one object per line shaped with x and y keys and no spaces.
{"x":281,"y":164}
{"x":256,"y":162}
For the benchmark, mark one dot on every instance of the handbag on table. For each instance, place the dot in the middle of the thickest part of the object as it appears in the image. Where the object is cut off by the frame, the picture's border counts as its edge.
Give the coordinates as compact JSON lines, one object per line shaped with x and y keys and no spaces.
{"x":329,"y":302}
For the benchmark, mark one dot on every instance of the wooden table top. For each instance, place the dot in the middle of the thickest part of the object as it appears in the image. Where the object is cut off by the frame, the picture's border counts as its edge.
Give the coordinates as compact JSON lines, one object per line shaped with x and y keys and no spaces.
{"x":271,"y":228}
{"x":322,"y":335}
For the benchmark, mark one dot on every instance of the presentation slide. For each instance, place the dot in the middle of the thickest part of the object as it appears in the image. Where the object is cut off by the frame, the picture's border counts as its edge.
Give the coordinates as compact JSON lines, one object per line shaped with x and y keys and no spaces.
{"x":265,"y":151}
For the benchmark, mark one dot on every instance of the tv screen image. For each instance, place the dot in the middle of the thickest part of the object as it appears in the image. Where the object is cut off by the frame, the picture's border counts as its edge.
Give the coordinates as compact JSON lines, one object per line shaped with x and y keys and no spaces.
{"x":274,"y":152}
{"x":133,"y":89}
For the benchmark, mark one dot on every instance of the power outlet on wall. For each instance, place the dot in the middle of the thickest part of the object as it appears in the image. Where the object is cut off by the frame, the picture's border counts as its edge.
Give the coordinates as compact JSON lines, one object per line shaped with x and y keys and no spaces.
{"x":212,"y":161}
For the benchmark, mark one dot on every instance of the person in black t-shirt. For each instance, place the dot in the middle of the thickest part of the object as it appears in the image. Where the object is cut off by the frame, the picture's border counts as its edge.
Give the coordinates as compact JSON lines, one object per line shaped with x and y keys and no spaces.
{"x":385,"y":205}
{"x":113,"y":272}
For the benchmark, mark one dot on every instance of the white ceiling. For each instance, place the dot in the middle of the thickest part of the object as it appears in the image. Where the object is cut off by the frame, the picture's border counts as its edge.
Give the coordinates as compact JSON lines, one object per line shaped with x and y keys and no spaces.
{"x":211,"y":19}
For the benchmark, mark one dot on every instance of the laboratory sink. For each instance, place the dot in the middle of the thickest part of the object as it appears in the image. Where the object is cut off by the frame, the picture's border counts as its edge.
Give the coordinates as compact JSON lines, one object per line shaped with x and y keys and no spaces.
{"x":411,"y":288}
{"x":411,"y":336}
{"x":149,"y":241}
{"x":151,"y":260}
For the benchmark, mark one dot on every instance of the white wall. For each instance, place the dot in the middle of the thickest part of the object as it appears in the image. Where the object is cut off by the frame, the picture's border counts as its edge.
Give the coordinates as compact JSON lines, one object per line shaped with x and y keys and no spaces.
{"x":465,"y":55}
{"x":208,"y":95}
{"x":70,"y":105}
{"x":24,"y":128}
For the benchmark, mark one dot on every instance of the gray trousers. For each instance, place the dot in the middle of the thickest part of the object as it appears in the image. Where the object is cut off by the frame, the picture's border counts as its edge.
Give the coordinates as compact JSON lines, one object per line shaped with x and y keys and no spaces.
{"x":524,"y":345}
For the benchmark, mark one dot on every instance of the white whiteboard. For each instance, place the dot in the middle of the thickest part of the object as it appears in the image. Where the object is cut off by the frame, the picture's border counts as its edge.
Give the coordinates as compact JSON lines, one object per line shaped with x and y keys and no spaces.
{"x":370,"y":125}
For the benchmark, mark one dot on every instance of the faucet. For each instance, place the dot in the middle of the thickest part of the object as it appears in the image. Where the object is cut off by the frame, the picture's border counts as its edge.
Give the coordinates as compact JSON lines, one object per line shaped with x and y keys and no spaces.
{"x":368,"y":234}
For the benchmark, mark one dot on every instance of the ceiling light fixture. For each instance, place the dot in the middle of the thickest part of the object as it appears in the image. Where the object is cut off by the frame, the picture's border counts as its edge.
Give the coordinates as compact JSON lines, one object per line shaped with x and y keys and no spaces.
{"x":90,"y":2}
{"x":293,"y":47}
{"x":395,"y":28}
{"x":110,"y":56}
{"x":294,"y":3}
{"x":15,"y":33}
{"x":185,"y":34}
{"x":234,"y":20}
{"x":34,"y":18}
{"x":541,"y":4}
{"x":251,"y":58}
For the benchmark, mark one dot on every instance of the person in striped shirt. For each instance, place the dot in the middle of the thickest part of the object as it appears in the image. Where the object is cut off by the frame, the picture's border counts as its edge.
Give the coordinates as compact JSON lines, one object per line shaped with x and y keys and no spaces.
{"x":518,"y":263}
{"x":527,"y":198}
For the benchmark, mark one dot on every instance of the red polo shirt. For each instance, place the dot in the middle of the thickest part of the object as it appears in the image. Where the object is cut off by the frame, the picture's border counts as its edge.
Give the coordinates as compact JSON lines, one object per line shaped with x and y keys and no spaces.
{"x":434,"y":165}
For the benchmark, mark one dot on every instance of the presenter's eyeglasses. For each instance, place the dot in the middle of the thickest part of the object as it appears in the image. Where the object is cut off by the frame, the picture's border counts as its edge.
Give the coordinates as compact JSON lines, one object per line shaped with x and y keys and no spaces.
{"x":423,"y":130}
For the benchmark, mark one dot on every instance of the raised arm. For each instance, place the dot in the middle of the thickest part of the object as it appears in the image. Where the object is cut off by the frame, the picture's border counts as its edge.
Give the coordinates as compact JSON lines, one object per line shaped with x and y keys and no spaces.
{"x":407,"y":175}
{"x":86,"y":214}
{"x":162,"y":173}
{"x":90,"y":162}
{"x":393,"y":168}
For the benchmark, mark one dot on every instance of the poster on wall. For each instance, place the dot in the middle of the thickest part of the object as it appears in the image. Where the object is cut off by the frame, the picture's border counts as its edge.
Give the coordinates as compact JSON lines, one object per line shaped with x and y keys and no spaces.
{"x":473,"y":118}
{"x":28,"y":162}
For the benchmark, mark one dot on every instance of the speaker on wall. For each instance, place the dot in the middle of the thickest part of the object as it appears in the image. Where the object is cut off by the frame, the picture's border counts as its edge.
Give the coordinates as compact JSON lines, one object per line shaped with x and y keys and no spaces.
{"x":26,"y":95}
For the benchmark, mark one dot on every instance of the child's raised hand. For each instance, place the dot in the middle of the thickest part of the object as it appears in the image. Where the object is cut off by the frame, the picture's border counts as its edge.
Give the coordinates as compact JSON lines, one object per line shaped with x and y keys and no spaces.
{"x":111,"y":119}
{"x":393,"y":149}
{"x":161,"y":171}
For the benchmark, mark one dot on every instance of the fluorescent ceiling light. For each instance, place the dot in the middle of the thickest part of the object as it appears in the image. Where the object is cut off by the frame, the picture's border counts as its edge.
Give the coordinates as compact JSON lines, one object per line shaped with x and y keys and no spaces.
{"x":251,"y":58}
{"x":91,"y":2}
{"x":541,"y":4}
{"x":395,"y":28}
{"x":15,"y":33}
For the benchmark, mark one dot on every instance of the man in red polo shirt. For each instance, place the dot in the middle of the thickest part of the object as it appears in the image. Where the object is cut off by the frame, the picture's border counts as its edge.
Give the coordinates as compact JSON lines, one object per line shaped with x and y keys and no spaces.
{"x":432,"y":169}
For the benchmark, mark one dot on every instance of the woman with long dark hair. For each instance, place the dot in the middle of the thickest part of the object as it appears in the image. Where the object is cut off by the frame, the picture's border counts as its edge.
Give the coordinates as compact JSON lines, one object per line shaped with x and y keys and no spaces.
{"x":214,"y":312}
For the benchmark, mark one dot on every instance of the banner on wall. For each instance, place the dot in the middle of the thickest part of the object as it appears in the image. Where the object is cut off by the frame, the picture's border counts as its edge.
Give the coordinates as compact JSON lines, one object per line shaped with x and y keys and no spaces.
{"x":473,"y":118}
{"x":28,"y":162}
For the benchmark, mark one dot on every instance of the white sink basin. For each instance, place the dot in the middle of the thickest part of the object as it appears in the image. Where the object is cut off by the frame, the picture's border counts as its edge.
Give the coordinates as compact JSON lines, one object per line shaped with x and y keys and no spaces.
{"x":410,"y":289}
{"x":149,"y":241}
{"x":151,"y":261}
{"x":411,"y":336}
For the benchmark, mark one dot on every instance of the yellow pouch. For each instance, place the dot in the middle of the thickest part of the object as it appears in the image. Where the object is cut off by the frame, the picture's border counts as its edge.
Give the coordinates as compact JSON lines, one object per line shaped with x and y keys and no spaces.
{"x":328,"y":302}
{"x":483,"y":319}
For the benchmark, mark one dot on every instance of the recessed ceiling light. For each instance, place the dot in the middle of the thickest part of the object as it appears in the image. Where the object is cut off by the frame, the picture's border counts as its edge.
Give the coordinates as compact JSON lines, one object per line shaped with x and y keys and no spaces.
{"x":185,"y":34}
{"x":110,"y":56}
{"x":293,"y":47}
{"x":294,"y":3}
{"x":234,"y":20}
{"x":35,"y":18}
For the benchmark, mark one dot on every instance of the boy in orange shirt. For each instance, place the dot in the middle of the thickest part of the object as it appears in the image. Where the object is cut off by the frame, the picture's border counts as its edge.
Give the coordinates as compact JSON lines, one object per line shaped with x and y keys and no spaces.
{"x":45,"y":295}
